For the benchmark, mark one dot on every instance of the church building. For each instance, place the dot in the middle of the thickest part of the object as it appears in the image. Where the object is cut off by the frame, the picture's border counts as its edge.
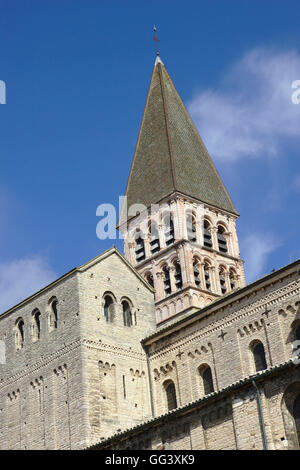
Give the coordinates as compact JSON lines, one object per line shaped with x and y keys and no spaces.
{"x":164,"y":347}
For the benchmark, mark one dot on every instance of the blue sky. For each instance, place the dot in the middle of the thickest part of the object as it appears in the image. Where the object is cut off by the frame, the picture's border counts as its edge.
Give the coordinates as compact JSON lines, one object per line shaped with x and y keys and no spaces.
{"x":77,"y":74}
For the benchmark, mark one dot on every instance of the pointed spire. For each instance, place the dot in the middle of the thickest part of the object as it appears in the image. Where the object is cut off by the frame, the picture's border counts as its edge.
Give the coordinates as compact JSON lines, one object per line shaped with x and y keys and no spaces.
{"x":158,"y":61}
{"x":170,"y":155}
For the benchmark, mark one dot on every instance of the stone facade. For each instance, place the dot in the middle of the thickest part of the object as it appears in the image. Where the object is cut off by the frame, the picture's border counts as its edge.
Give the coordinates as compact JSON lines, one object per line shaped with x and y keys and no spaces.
{"x":229,"y":420}
{"x":90,"y":377}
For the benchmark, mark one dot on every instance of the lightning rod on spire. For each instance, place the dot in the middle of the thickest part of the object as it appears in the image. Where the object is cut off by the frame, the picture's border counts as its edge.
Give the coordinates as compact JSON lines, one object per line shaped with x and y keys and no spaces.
{"x":156,"y":40}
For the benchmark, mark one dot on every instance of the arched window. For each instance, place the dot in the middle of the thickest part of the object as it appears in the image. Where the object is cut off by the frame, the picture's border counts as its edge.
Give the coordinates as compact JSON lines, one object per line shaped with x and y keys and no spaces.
{"x":154,"y":238}
{"x":169,"y":229}
{"x":191,"y":227}
{"x":222,"y":242}
{"x":149,"y":279}
{"x":208,"y":385}
{"x":296,"y":415}
{"x":54,"y":309}
{"x":127,"y":314}
{"x":20,"y":333}
{"x":196,"y":273}
{"x":36,"y":325}
{"x":177,"y":275}
{"x":108,"y":306}
{"x":290,"y":411}
{"x":259,"y":357}
{"x":207,"y":276}
{"x":171,"y":395}
{"x":167,"y":281}
{"x":222,"y":280}
{"x":297,"y":334}
{"x":53,"y":315}
{"x":232,"y":279}
{"x":207,"y":235}
{"x":139,"y":248}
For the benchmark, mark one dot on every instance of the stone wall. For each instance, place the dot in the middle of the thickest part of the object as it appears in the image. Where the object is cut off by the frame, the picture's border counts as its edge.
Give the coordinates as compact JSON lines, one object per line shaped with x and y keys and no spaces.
{"x":116,"y":372}
{"x":41,"y":394}
{"x":227,"y":421}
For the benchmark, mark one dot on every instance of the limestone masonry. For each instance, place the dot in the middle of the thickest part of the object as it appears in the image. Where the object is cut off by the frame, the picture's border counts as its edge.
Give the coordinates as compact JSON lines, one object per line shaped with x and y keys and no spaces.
{"x":164,"y":347}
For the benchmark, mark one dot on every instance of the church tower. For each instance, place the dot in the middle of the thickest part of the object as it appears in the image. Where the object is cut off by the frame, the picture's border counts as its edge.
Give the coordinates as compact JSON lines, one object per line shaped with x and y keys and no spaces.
{"x":178,"y":221}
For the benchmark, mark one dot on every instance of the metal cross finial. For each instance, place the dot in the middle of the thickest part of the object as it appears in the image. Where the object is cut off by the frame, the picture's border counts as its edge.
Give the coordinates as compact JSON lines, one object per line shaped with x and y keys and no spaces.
{"x":156,"y":39}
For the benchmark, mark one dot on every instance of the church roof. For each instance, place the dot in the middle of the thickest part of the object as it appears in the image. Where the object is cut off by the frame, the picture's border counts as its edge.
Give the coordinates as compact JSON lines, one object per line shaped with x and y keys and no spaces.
{"x":170,"y":155}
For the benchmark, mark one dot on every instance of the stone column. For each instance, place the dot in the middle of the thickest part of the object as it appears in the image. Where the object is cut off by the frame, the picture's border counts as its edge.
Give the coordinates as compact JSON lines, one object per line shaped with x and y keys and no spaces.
{"x":187,"y":257}
{"x":126,"y":250}
{"x":147,"y":247}
{"x":131,"y":252}
{"x":158,"y":284}
{"x":213,"y":280}
{"x":227,"y":281}
{"x":214,"y":238}
{"x":183,"y":222}
{"x":234,"y":239}
{"x":161,"y":234}
{"x":229,"y":243}
{"x":200,"y":266}
{"x":242,"y":279}
{"x":182,"y":263}
{"x":175,"y":210}
{"x":172,"y":279}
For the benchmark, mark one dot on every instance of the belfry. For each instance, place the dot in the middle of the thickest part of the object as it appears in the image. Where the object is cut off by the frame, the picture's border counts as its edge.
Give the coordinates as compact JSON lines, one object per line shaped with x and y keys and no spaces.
{"x":181,"y":222}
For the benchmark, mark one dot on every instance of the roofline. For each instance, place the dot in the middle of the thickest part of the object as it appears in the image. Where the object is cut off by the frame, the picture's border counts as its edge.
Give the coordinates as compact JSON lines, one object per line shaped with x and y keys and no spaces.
{"x":175,"y":192}
{"x":138,"y":139}
{"x":78,"y":269}
{"x":199,"y":136}
{"x":216,"y":304}
{"x":159,"y":66}
{"x":36,"y":294}
{"x":259,"y":376}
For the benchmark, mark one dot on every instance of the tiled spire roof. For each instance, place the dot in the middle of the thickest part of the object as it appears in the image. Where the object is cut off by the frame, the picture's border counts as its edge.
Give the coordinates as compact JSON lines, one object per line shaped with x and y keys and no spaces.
{"x":170,"y":155}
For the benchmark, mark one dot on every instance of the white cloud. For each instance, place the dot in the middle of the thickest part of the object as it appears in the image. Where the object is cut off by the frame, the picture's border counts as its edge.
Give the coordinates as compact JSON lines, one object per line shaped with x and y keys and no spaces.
{"x":255,"y":249}
{"x":22,"y":277}
{"x":253,"y":111}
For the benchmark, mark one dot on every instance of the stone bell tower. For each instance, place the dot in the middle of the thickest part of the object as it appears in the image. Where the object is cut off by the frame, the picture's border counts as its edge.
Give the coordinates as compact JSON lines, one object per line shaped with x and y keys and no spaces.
{"x":177,"y":220}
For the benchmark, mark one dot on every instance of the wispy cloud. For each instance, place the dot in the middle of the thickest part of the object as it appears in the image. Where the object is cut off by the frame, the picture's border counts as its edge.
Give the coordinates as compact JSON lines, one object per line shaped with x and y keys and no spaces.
{"x":252,"y":112}
{"x":255,"y":249}
{"x":22,"y":277}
